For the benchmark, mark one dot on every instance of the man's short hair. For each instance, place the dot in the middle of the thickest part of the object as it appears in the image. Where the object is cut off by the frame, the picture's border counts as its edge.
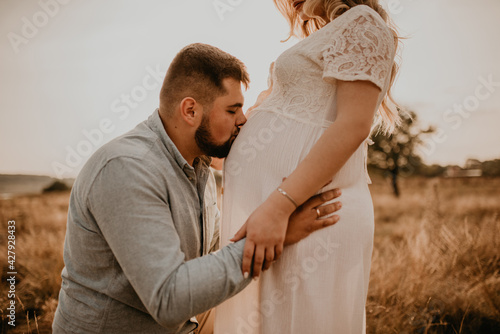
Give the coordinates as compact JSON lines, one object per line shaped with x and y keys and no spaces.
{"x":197,"y":71}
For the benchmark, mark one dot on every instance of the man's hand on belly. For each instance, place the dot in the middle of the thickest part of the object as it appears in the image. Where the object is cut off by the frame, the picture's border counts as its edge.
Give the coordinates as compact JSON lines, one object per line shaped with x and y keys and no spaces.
{"x":266,"y":232}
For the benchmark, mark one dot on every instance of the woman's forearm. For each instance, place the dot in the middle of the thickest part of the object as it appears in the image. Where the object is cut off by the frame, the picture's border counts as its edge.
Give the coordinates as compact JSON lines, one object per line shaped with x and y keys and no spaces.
{"x":266,"y":227}
{"x":325,"y":159}
{"x":356,"y":104}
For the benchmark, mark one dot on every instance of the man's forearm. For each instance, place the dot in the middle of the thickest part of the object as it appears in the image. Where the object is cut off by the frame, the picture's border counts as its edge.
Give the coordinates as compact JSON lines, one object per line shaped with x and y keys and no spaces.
{"x":198,"y":285}
{"x":171,"y":288}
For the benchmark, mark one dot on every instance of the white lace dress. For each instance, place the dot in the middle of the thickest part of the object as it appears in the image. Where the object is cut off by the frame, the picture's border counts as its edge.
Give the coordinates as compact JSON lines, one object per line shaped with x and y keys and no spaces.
{"x":320,"y":284}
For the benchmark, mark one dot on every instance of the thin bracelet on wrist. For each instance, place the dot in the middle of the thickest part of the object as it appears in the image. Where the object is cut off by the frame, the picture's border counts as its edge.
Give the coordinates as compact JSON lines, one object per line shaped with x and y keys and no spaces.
{"x":284,"y":193}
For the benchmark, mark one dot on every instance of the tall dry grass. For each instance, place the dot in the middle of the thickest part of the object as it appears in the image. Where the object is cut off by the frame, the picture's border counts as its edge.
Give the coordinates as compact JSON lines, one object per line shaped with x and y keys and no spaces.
{"x":40,"y":229}
{"x":435,"y":266}
{"x":436,"y":261}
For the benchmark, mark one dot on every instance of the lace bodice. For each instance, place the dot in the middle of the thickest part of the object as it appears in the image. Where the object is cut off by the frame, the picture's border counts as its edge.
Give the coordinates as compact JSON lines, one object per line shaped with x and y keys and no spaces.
{"x":358,"y":45}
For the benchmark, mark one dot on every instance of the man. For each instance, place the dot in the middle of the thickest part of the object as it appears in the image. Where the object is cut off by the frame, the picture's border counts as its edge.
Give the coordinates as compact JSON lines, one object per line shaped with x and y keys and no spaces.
{"x":141,"y":223}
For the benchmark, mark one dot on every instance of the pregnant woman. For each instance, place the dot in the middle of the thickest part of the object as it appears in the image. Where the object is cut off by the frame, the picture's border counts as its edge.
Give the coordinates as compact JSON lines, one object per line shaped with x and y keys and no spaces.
{"x":313,"y":127}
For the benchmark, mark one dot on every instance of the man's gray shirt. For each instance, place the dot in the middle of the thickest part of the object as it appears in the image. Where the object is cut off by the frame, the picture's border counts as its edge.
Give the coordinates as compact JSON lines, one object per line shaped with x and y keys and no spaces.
{"x":136,"y":243}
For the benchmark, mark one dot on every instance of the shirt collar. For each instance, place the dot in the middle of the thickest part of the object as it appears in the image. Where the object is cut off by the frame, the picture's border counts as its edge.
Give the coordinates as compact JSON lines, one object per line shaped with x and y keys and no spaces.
{"x":155,"y":123}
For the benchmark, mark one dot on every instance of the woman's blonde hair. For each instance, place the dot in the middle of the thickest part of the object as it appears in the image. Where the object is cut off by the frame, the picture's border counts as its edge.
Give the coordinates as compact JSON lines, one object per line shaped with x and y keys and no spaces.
{"x":388,"y":117}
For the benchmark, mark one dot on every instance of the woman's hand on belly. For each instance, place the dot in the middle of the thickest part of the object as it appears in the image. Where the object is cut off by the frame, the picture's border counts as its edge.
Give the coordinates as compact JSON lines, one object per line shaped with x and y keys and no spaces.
{"x":263,"y":229}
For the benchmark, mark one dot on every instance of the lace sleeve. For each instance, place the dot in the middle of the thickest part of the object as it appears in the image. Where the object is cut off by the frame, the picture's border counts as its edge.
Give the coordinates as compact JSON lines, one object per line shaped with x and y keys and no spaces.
{"x":362,"y":49}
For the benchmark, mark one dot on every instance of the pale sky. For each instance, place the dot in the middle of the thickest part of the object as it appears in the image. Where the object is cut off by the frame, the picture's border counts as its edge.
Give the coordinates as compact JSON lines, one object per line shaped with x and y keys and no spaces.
{"x":67,"y":70}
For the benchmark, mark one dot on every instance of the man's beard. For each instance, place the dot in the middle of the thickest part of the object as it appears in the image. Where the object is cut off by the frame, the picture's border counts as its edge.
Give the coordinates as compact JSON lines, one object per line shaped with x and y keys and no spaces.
{"x":206,"y":143}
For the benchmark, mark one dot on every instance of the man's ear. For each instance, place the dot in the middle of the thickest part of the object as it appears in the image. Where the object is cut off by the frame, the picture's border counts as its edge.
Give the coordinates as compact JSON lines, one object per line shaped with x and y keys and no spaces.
{"x":191,"y":111}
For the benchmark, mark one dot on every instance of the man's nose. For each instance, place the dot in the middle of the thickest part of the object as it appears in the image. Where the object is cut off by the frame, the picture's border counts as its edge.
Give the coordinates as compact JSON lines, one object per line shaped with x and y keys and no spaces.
{"x":241,"y":120}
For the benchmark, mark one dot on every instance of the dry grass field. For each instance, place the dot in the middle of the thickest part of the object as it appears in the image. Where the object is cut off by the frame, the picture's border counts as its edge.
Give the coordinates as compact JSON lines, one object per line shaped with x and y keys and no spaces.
{"x":436,"y":263}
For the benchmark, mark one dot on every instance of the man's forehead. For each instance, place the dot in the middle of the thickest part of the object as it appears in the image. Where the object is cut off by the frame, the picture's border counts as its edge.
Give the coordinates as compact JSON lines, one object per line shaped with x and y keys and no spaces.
{"x":234,"y":94}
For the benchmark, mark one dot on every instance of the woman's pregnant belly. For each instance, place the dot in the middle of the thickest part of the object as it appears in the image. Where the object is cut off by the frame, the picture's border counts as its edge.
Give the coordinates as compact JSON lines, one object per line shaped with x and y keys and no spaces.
{"x":268,"y":149}
{"x":271,"y":146}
